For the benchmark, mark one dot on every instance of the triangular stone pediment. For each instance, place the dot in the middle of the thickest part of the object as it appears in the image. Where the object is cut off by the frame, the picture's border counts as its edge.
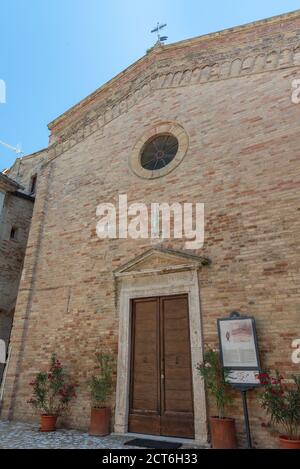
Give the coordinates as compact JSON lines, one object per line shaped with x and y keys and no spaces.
{"x":160,"y":260}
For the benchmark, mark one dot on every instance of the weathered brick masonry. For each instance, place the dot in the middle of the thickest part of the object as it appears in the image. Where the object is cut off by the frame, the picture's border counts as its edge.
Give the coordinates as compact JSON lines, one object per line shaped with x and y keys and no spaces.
{"x":231,"y":92}
{"x":16,"y":212}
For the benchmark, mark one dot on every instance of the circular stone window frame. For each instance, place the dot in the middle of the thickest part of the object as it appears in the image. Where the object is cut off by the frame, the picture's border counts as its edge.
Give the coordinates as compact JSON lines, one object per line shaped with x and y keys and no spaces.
{"x":171,"y":128}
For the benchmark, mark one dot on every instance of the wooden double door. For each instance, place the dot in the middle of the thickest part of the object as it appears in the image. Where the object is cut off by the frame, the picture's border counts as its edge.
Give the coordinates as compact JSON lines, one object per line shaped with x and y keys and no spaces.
{"x":161,"y":394}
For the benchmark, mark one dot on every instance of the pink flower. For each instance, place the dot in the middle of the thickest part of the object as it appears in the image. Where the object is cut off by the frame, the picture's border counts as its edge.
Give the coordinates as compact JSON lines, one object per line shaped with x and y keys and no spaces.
{"x":265,"y":425}
{"x":31,"y":401}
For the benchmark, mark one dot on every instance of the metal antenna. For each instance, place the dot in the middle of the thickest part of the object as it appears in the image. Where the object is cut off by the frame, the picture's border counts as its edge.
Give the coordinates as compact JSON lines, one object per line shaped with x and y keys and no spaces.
{"x":16,"y":149}
{"x":160,"y":38}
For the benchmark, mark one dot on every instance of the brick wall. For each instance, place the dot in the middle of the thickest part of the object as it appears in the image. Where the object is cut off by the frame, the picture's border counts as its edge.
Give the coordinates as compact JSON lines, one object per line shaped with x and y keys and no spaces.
{"x":24,"y":169}
{"x":16,"y":212}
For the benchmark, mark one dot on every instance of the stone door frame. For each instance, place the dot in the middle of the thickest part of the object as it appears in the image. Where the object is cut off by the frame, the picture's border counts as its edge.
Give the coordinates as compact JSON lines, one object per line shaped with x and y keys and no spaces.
{"x":145,"y":284}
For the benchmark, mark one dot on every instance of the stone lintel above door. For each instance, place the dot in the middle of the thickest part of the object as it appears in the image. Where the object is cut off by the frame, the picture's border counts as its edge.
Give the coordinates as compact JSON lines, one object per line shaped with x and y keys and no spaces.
{"x":160,"y":261}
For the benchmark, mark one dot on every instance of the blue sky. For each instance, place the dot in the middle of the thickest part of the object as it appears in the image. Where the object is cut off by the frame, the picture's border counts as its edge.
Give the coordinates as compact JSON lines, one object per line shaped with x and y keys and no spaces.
{"x":53,"y":53}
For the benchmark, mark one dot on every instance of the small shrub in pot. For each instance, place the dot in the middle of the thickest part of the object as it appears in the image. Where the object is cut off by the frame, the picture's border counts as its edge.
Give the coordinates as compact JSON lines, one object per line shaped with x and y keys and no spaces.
{"x":223,"y":432}
{"x":101,"y":388}
{"x":52,"y":394}
{"x":281,"y":400}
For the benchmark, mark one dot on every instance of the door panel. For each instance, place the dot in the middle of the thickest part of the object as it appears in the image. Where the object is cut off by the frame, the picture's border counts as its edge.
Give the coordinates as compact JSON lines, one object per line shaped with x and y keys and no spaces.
{"x":161,"y":400}
{"x":145,"y":402}
{"x":144,"y":388}
{"x":177,"y":405}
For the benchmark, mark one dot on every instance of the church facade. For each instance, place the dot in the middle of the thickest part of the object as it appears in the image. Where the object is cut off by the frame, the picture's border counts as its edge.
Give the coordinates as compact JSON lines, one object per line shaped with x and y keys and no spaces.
{"x":209,"y":120}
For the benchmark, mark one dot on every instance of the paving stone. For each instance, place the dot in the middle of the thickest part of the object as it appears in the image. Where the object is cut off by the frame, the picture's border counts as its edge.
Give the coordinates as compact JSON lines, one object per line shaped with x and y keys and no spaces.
{"x":15,"y":435}
{"x":19,"y":435}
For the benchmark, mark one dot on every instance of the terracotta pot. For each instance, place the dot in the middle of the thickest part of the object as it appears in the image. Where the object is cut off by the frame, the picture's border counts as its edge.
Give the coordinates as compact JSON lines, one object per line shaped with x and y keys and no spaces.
{"x":48,"y":423}
{"x":285,"y":443}
{"x":223,"y":433}
{"x":100,"y":420}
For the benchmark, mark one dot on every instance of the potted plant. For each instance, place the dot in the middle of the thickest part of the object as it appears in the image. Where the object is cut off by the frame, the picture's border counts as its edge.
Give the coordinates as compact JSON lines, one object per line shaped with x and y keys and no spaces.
{"x":282,"y":403}
{"x":223,"y":432}
{"x":101,"y":386}
{"x":52,"y":393}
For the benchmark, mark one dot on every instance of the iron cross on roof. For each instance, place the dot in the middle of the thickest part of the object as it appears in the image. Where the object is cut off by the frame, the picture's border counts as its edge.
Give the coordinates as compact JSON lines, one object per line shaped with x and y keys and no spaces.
{"x":157,"y":30}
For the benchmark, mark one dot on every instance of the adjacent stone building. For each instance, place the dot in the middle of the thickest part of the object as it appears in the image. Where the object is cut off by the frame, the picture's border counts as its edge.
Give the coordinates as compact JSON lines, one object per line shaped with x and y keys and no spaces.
{"x":17,"y":194}
{"x":223,"y":104}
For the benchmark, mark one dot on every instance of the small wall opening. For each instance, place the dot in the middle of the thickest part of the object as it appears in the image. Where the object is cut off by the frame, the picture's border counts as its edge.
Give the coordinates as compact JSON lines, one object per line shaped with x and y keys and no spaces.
{"x":13,"y":233}
{"x":33,"y":184}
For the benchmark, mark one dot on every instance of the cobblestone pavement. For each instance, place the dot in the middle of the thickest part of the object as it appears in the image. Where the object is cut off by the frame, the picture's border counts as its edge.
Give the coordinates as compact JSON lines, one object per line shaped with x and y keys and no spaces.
{"x":25,"y":436}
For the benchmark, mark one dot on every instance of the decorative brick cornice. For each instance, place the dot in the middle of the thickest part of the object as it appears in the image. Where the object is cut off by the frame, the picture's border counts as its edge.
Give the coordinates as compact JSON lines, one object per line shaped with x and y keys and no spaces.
{"x":159,"y":72}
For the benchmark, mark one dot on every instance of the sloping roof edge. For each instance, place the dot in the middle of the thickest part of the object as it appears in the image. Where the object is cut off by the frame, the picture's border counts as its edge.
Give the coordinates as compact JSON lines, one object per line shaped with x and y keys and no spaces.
{"x":25,"y":157}
{"x":175,"y":45}
{"x":9,"y":183}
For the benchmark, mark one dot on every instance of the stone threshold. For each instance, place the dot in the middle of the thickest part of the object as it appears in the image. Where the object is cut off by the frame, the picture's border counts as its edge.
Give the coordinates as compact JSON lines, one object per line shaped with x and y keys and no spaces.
{"x":186,"y":442}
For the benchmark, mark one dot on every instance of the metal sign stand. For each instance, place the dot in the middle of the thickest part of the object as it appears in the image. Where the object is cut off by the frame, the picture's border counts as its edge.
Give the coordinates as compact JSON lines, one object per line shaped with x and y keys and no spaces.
{"x":241,"y":386}
{"x":246,"y":417}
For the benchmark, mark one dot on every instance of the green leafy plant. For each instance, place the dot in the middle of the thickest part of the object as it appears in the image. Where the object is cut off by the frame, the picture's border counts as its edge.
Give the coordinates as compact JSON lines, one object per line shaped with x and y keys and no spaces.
{"x":282,"y":403}
{"x":214,"y":377}
{"x":101,"y":384}
{"x":52,"y":390}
